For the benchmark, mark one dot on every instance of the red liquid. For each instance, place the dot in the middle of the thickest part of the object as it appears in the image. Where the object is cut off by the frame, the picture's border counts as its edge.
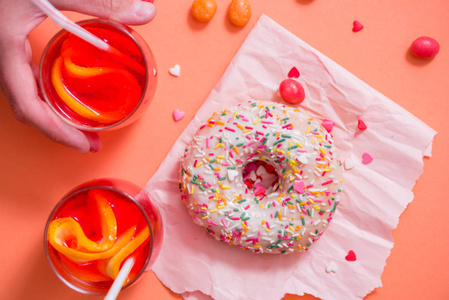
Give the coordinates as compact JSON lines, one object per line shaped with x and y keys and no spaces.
{"x":91,"y":276}
{"x":91,"y":87}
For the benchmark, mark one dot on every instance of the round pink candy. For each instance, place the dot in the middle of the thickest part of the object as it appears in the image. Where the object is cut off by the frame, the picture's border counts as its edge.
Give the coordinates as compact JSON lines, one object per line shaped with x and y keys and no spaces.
{"x":425,"y":47}
{"x":292,"y":91}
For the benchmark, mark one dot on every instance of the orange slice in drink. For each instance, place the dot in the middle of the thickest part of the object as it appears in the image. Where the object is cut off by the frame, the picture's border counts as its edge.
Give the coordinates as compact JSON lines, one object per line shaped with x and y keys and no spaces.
{"x":68,"y":238}
{"x":111,"y":267}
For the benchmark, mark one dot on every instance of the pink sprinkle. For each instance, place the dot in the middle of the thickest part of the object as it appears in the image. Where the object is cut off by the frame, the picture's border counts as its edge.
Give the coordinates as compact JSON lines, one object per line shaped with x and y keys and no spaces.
{"x":239,"y":160}
{"x":207,"y":143}
{"x":194,"y":164}
{"x":246,"y":208}
{"x":235,"y":218}
{"x":327,"y":182}
{"x":266,"y":122}
{"x":328,"y":124}
{"x":230,"y":129}
{"x":224,"y":223}
{"x":366,"y":158}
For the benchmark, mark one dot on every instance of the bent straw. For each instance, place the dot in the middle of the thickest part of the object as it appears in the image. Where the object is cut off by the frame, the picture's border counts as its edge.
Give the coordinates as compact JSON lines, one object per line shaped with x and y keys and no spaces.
{"x":120,"y":279}
{"x":82,"y":33}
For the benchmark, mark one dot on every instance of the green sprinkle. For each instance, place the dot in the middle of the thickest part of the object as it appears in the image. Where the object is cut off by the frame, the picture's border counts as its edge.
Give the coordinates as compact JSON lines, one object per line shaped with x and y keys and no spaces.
{"x":290,"y":189}
{"x":222,"y":178}
{"x":242,"y":215}
{"x":240,"y":145}
{"x":241,"y":201}
{"x":286,"y":136}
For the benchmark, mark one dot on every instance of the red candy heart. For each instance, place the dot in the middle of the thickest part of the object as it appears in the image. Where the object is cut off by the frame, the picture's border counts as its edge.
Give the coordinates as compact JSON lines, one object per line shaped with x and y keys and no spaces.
{"x":357,"y":26}
{"x":294,"y":73}
{"x":351,"y":256}
{"x":361,"y":125}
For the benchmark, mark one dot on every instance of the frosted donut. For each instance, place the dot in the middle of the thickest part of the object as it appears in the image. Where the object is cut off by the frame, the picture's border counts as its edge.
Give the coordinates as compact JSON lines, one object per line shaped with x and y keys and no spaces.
{"x":295,"y":212}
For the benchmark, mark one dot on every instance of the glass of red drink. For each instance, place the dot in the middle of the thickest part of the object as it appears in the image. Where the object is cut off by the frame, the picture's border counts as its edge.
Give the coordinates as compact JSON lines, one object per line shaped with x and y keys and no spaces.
{"x":95,"y":90}
{"x":95,"y":228}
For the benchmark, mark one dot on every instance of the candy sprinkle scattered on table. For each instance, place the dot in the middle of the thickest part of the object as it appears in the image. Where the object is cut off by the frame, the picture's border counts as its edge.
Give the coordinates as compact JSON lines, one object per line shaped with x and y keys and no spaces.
{"x":293,"y":73}
{"x":175,"y":71}
{"x":366,"y":158}
{"x":357,"y":26}
{"x":351,"y":256}
{"x":178,"y":115}
{"x":331,"y":267}
{"x":361,"y":125}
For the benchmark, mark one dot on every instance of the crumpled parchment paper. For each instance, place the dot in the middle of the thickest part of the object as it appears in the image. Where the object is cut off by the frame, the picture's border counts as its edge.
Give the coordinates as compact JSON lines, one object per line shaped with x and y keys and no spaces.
{"x":198,"y":267}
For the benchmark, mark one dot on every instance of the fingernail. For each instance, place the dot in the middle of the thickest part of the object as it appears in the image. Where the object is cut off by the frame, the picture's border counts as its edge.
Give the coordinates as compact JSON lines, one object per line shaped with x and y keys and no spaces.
{"x":144,"y":9}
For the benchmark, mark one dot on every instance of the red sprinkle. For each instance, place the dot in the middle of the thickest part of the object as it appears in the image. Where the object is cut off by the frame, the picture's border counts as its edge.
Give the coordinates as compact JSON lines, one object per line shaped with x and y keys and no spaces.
{"x":294,"y":73}
{"x":357,"y":26}
{"x":351,"y":256}
{"x":361,"y":125}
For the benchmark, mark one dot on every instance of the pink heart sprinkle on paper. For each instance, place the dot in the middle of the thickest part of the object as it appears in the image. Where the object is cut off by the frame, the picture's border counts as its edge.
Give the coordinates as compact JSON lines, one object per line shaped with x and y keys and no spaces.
{"x":357,"y":26}
{"x":299,"y":186}
{"x":366,"y":158}
{"x":294,"y":73}
{"x":178,"y":115}
{"x":351,"y":256}
{"x":328,"y":124}
{"x":361,"y":125}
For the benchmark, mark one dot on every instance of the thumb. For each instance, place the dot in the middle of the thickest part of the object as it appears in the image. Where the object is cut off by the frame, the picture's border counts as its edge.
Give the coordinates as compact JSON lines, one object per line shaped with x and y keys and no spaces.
{"x":131,"y":12}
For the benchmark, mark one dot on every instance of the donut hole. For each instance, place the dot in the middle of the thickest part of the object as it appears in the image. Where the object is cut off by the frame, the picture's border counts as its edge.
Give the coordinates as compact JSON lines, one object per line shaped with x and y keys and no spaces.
{"x":260,"y":177}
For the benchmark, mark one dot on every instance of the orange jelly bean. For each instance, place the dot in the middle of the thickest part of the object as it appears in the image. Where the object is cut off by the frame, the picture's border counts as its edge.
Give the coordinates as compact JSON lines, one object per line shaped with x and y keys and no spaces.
{"x":204,"y":10}
{"x":239,"y":12}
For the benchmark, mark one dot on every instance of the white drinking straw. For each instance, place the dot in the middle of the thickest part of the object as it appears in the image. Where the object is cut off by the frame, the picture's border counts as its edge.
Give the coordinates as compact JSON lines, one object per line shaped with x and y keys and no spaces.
{"x":70,"y":26}
{"x":120,"y":279}
{"x":82,"y":33}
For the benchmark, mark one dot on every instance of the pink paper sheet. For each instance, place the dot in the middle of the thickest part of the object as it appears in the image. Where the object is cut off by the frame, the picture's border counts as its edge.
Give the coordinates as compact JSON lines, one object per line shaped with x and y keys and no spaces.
{"x":195,"y":265}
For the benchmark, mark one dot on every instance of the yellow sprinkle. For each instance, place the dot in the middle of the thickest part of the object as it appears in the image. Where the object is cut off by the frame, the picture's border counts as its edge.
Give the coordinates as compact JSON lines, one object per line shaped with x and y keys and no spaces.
{"x":322,"y":151}
{"x":299,"y":145}
{"x":203,"y":208}
{"x":213,"y":210}
{"x":199,"y":164}
{"x":311,"y":201}
{"x":205,"y":217}
{"x":225,"y":187}
{"x":247,"y":130}
{"x":257,"y":121}
{"x":267,"y":230}
{"x":291,"y":228}
{"x":235,"y":115}
{"x":317,"y":207}
{"x":221,"y":206}
{"x":261,"y":205}
{"x":308,"y":130}
{"x":192,"y":188}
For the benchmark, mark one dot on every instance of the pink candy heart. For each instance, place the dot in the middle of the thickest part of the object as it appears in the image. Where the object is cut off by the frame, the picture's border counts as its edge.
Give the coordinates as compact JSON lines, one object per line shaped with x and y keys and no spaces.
{"x":328,"y":124}
{"x":366,"y":158}
{"x":299,"y":186}
{"x":357,"y":26}
{"x":178,"y":115}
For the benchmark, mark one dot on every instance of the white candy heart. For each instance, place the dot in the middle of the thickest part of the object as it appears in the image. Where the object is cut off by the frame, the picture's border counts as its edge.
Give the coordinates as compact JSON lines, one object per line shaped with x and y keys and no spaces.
{"x":303,"y":158}
{"x":175,"y":71}
{"x":232,"y":174}
{"x":349,"y":164}
{"x":331,"y":267}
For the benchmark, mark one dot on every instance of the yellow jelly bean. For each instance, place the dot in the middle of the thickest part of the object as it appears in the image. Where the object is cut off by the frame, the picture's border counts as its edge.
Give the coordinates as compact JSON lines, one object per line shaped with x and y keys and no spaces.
{"x":239,"y":12}
{"x":204,"y":10}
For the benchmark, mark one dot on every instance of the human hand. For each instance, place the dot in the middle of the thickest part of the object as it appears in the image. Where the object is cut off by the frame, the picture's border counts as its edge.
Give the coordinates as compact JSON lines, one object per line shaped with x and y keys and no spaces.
{"x":18,"y":74}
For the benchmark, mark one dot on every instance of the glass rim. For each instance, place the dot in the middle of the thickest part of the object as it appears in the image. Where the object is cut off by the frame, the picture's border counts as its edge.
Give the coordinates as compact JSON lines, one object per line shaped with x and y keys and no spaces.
{"x":68,"y":196}
{"x":124,"y":29}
